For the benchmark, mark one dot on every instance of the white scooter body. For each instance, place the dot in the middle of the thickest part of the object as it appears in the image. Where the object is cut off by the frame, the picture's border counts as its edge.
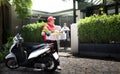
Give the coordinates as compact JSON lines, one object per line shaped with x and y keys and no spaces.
{"x":32,"y":56}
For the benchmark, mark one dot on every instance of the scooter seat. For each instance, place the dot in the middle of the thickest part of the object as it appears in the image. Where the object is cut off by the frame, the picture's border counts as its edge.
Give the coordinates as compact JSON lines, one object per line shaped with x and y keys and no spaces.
{"x":34,"y":46}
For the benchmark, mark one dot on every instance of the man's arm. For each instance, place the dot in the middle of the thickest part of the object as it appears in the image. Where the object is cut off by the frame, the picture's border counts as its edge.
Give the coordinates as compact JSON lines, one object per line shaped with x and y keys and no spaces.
{"x":43,"y":31}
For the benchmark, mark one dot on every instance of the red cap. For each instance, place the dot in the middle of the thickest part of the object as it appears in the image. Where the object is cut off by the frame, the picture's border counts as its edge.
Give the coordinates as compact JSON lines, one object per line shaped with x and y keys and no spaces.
{"x":50,"y":18}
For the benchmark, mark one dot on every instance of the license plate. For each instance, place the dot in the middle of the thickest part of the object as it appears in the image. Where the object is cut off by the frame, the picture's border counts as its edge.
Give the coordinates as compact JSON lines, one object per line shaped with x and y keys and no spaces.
{"x":55,"y":55}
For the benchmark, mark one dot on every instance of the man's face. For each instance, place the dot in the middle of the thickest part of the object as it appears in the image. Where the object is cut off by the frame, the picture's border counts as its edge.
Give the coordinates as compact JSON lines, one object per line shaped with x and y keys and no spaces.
{"x":52,"y":22}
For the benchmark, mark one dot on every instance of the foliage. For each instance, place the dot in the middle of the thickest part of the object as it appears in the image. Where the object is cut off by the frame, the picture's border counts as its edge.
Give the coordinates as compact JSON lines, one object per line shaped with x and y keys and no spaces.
{"x":22,"y":7}
{"x":2,"y":55}
{"x":99,"y":29}
{"x":2,"y":2}
{"x":32,"y":32}
{"x":5,"y":49}
{"x":9,"y":43}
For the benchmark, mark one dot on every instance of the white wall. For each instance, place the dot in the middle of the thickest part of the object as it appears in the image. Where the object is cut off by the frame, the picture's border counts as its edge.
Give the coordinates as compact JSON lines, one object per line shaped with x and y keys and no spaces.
{"x":112,"y":11}
{"x":78,"y":15}
{"x":74,"y":38}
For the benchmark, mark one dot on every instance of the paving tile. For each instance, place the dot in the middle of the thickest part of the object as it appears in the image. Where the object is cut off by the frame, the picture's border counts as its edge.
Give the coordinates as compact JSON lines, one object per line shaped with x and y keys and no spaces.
{"x":73,"y":65}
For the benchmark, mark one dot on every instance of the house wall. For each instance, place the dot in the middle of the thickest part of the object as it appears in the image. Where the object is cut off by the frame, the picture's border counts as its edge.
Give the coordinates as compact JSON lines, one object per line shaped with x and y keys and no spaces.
{"x":4,"y":22}
{"x":15,"y":21}
{"x":0,"y":27}
{"x":8,"y":21}
{"x":65,"y":19}
{"x":78,"y":13}
{"x":110,"y":9}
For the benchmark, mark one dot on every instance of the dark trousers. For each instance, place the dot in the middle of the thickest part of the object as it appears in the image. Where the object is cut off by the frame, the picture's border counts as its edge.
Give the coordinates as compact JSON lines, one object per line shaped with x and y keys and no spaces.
{"x":55,"y":46}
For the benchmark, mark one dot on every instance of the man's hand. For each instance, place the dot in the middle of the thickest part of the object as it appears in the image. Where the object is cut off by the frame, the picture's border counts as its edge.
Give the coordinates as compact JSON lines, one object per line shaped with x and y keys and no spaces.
{"x":42,"y":33}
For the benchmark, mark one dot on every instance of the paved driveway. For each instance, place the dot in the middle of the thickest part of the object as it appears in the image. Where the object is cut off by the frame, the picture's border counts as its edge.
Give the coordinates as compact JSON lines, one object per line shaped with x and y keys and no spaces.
{"x":73,"y":65}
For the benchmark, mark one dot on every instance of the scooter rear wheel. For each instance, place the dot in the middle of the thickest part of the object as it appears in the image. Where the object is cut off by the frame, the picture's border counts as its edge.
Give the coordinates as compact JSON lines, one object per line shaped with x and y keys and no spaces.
{"x":11,"y":63}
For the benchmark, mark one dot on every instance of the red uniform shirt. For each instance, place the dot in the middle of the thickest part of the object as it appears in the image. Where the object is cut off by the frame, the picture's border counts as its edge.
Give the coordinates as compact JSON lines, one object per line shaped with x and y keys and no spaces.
{"x":50,"y":28}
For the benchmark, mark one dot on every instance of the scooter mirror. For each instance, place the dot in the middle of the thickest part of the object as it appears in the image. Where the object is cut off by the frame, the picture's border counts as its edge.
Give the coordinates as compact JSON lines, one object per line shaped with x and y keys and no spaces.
{"x":16,"y":27}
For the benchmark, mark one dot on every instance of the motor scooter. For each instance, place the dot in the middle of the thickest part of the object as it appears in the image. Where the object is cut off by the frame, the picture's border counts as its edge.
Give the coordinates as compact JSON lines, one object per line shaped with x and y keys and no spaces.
{"x":42,"y":56}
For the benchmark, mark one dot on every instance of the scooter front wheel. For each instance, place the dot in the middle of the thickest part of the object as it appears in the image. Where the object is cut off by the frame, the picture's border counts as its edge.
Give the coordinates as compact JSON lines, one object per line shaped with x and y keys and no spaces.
{"x":11,"y":63}
{"x":51,"y":65}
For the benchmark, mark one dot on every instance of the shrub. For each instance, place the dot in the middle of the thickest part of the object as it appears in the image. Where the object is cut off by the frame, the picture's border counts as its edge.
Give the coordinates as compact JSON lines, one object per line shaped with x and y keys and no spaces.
{"x":1,"y":57}
{"x":3,"y":53}
{"x":32,"y":32}
{"x":5,"y":49}
{"x":99,"y":29}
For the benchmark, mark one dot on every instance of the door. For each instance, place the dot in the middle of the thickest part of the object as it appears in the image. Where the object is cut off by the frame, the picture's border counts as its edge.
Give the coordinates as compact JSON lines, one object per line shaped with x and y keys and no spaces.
{"x":5,"y":23}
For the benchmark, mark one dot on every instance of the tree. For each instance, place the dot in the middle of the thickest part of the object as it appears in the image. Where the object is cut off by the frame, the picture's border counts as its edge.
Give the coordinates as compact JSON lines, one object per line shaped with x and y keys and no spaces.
{"x":22,"y":8}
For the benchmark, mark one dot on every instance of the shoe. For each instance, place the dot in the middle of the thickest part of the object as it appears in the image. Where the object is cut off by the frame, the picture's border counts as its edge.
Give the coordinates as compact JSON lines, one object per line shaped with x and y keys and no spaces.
{"x":59,"y":68}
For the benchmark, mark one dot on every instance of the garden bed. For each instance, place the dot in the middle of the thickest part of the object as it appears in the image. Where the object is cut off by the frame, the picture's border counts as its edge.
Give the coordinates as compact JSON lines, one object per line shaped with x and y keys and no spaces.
{"x":101,"y":50}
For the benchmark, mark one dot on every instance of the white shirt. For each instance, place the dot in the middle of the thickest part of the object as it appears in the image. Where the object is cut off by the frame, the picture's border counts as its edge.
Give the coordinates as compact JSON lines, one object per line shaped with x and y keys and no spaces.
{"x":65,"y":29}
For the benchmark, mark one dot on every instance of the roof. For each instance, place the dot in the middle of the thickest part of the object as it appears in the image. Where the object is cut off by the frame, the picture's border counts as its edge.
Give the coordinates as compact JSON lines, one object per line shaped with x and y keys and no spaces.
{"x":52,"y":6}
{"x":68,"y":12}
{"x":92,"y":2}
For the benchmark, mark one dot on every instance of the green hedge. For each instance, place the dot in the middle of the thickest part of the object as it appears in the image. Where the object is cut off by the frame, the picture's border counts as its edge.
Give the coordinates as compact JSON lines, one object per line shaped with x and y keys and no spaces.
{"x":99,"y":29}
{"x":32,"y":32}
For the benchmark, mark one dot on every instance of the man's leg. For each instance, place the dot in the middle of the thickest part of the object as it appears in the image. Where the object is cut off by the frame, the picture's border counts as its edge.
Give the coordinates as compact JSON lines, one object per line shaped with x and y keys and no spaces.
{"x":56,"y":48}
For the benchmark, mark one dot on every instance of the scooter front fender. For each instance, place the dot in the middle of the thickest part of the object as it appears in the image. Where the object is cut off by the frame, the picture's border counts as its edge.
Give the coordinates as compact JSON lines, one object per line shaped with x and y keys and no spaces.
{"x":10,"y":55}
{"x":55,"y":55}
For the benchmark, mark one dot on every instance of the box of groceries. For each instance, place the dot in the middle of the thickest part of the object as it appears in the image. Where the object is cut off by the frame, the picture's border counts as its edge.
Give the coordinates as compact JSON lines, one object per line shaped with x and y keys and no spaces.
{"x":56,"y":36}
